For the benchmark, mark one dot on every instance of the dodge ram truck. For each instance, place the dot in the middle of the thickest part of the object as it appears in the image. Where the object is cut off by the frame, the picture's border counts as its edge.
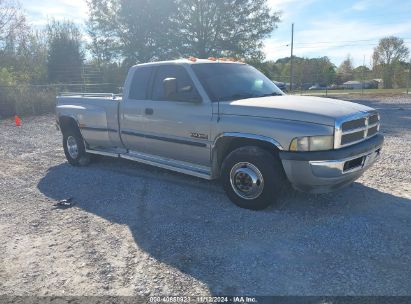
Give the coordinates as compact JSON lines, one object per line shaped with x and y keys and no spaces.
{"x":219,"y":119}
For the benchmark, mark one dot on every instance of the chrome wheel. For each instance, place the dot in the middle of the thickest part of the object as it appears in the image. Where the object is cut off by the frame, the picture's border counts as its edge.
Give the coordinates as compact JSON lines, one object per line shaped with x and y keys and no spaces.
{"x":72,"y":147}
{"x":246,"y":180}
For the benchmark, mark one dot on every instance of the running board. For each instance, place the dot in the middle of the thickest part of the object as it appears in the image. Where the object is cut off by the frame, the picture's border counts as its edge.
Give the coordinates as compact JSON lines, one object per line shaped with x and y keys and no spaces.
{"x":171,"y":164}
{"x":104,"y":152}
{"x":161,"y":162}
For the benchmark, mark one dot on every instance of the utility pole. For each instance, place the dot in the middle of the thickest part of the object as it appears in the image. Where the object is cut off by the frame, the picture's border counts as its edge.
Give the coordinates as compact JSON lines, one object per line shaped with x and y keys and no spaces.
{"x":363,"y":71}
{"x":84,"y":78}
{"x":409,"y":75}
{"x":291,"y":60}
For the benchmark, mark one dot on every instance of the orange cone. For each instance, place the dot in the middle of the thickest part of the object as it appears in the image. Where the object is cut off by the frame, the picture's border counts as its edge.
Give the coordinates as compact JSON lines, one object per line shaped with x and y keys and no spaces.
{"x":17,"y":120}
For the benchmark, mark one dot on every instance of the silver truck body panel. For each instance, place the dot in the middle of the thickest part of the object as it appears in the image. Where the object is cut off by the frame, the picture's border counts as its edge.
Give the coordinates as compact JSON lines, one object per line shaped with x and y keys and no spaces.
{"x":326,"y":171}
{"x":97,"y":118}
{"x":326,"y":175}
{"x":279,"y":130}
{"x":183,"y":136}
{"x":317,"y":110}
{"x":168,"y":131}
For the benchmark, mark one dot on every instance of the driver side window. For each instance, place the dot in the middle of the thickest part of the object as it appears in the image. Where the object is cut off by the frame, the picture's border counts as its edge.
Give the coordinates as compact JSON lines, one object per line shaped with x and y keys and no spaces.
{"x":186,"y":90}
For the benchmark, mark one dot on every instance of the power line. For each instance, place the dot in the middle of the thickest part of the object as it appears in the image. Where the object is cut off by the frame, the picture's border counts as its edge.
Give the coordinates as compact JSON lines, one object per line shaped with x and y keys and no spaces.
{"x":334,"y":46}
{"x":357,"y":25}
{"x":343,"y":41}
{"x":335,"y":43}
{"x":341,"y":45}
{"x":331,"y":45}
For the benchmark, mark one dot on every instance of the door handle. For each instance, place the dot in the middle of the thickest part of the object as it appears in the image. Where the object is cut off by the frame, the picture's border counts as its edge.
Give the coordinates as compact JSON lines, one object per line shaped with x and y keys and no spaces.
{"x":149,"y":111}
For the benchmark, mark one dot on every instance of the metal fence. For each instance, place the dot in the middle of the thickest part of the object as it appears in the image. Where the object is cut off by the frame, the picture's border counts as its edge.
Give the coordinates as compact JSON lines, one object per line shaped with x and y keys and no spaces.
{"x":40,"y":99}
{"x":302,"y":81}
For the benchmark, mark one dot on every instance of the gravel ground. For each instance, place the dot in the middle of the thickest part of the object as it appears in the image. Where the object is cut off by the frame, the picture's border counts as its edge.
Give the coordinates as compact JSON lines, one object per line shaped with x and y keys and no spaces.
{"x":138,"y":230}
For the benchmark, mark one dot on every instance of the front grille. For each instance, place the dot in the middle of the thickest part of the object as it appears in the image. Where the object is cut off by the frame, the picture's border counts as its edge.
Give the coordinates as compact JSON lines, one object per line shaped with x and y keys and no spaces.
{"x":357,"y":129}
{"x":373,"y":119}
{"x":372,"y":131}
{"x":353,"y":124}
{"x":348,"y":138}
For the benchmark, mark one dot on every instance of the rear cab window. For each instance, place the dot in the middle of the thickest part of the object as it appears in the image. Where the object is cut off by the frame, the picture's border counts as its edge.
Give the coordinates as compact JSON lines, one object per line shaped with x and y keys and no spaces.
{"x":139,"y":87}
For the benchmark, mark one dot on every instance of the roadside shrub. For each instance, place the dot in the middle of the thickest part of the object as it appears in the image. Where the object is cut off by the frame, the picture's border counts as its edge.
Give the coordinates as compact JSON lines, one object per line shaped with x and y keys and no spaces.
{"x":26,"y":100}
{"x":40,"y":99}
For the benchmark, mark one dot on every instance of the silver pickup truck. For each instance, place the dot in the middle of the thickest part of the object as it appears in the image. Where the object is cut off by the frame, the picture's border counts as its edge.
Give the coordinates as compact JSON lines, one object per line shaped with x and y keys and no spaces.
{"x":219,"y":119}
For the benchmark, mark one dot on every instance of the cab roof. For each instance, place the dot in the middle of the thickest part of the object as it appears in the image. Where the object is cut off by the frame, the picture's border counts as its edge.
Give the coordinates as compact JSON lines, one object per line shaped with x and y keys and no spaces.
{"x":191,"y":60}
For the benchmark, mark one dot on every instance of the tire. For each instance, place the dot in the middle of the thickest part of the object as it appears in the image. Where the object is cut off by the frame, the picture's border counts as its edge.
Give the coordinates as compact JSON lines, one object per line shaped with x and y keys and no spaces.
{"x":74,"y":148}
{"x":252,"y":177}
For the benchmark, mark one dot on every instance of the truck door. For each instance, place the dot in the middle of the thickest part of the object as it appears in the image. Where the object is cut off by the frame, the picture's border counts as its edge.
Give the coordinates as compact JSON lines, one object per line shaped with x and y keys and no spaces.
{"x":132,"y":118}
{"x":176,"y":127}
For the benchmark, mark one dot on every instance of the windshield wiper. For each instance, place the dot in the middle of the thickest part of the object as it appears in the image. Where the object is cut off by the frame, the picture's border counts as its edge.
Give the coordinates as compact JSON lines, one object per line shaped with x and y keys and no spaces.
{"x":238,"y":96}
{"x":271,"y":94}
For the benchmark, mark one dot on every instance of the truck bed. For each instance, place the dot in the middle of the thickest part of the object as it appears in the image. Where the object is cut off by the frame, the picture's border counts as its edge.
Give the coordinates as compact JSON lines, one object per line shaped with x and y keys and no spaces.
{"x":96,"y":113}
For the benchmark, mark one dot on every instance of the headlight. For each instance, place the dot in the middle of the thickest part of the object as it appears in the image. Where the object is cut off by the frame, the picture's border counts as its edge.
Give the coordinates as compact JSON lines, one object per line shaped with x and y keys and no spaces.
{"x":312,"y":143}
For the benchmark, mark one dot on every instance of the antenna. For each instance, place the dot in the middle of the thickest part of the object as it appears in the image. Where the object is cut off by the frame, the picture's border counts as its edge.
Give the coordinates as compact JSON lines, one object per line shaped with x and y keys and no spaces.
{"x":291,"y":59}
{"x":218,"y":110}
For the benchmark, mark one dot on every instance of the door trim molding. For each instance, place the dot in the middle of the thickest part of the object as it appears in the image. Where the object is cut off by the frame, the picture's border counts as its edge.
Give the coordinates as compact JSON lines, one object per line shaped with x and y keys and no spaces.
{"x":168,"y":139}
{"x":86,"y":128}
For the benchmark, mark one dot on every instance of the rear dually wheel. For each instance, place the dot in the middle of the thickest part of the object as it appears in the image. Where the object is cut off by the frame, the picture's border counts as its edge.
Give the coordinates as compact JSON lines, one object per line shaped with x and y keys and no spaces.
{"x":74,"y":148}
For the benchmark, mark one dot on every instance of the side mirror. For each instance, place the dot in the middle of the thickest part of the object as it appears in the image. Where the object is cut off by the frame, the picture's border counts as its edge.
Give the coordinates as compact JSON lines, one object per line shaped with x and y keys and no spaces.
{"x":186,"y":89}
{"x":170,"y":87}
{"x":197,"y":100}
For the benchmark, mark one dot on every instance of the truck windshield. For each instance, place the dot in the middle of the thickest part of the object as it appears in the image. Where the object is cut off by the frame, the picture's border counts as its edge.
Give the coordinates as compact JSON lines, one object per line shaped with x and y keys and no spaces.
{"x":229,"y":81}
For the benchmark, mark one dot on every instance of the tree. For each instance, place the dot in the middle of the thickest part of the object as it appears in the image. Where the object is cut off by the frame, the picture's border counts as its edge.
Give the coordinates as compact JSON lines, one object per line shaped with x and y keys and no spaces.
{"x":315,"y":70}
{"x":146,"y":30}
{"x":206,"y":28}
{"x":22,"y":50}
{"x":387,"y":54}
{"x":361,"y":72}
{"x":307,"y":71}
{"x":345,"y":70}
{"x":6,"y":78}
{"x":26,"y":56}
{"x":134,"y":30}
{"x":268,"y":68}
{"x":11,"y":19}
{"x":65,"y":56}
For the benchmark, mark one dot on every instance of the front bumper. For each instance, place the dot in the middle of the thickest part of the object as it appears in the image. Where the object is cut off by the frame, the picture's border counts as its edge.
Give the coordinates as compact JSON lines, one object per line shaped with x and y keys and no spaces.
{"x":325,"y":171}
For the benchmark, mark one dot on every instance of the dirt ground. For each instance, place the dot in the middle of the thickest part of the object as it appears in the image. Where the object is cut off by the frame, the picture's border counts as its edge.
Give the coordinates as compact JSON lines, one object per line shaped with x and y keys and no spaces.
{"x":139,"y":230}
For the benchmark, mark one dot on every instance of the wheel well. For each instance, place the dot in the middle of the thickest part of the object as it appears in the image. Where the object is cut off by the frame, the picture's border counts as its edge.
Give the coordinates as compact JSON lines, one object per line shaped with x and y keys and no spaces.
{"x":226,"y":145}
{"x":68,"y":123}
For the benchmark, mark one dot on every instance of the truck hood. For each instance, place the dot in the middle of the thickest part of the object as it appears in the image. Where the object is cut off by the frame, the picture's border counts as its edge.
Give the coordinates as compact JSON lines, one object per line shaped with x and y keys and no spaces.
{"x":317,"y":110}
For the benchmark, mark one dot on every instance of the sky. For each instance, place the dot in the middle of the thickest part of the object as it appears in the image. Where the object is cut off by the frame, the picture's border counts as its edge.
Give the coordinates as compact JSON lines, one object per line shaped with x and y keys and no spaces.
{"x":321,"y":27}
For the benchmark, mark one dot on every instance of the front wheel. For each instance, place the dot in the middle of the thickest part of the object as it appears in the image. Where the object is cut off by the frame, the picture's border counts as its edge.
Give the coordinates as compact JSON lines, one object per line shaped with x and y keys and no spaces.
{"x":252,"y":177}
{"x":74,"y":148}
